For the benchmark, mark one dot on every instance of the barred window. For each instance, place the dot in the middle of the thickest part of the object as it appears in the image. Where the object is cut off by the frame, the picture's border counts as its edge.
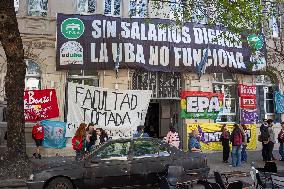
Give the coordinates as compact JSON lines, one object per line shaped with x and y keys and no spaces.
{"x":112,"y":7}
{"x":86,"y":6}
{"x":16,"y":5}
{"x":138,"y":8}
{"x":33,"y":76}
{"x":37,"y":7}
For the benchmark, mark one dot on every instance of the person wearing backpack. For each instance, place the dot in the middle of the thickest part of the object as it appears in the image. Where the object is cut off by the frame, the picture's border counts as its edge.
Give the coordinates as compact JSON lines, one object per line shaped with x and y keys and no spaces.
{"x":237,"y":141}
{"x":264,"y":139}
{"x":78,"y":141}
{"x":281,"y":141}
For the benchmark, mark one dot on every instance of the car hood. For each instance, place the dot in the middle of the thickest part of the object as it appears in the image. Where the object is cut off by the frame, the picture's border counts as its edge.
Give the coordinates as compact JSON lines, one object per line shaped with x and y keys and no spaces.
{"x":55,"y":163}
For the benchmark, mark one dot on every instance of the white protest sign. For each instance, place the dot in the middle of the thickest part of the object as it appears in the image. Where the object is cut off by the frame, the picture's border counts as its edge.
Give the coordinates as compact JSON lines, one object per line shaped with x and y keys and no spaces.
{"x":119,"y":112}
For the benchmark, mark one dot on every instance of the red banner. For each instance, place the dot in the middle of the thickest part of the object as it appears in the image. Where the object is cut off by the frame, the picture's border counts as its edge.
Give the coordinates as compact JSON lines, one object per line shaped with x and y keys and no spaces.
{"x":40,"y":105}
{"x":245,"y":90}
{"x":248,"y":96}
{"x":248,"y":102}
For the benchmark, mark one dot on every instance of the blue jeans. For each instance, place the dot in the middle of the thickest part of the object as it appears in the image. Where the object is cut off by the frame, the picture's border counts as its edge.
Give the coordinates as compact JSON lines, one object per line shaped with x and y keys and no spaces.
{"x":281,"y":151}
{"x":236,"y":156}
{"x":244,"y":153}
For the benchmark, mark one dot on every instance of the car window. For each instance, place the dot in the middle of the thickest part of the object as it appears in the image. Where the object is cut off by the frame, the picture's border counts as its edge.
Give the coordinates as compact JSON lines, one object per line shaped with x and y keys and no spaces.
{"x":142,"y":149}
{"x":164,"y":151}
{"x":114,"y":151}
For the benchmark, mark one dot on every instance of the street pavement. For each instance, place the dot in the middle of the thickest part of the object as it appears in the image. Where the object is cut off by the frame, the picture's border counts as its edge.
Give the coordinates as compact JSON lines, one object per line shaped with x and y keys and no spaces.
{"x":214,"y":161}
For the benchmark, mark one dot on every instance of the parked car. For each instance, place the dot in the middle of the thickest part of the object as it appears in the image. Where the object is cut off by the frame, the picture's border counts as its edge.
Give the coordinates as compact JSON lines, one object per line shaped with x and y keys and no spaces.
{"x":120,"y":163}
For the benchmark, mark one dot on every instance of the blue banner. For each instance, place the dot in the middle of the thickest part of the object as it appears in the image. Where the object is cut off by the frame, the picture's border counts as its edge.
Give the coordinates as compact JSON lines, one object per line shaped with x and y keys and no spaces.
{"x":54,"y":134}
{"x":279,"y":102}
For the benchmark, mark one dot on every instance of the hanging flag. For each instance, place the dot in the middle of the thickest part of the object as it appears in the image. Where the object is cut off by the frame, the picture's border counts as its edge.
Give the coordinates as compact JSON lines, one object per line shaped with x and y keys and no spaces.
{"x":279,"y":102}
{"x":201,"y":67}
{"x":117,"y":61}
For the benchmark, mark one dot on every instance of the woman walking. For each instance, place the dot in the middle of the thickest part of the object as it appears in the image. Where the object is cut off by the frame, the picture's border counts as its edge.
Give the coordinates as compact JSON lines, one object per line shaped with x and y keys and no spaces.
{"x":225,"y":139}
{"x":237,"y":140}
{"x":79,"y":141}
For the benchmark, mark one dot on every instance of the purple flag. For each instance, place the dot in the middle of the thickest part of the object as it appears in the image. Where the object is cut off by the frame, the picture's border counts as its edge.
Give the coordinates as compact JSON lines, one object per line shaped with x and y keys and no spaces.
{"x":248,"y":117}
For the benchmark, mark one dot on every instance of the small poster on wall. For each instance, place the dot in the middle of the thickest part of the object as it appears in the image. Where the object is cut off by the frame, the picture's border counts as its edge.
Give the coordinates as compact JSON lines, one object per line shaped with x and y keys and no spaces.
{"x":201,"y":105}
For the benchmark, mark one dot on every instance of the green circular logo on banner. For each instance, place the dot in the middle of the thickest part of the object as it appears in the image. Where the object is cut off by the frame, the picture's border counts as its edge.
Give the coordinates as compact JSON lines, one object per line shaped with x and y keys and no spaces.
{"x":255,"y":41}
{"x":72,"y":28}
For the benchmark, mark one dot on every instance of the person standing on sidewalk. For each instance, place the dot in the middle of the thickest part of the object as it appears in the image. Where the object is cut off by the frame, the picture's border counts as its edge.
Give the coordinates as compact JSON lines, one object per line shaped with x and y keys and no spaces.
{"x":79,"y":141}
{"x":237,"y":140}
{"x":271,"y":141}
{"x":264,"y":139}
{"x":281,"y":141}
{"x":245,"y":141}
{"x":37,"y":135}
{"x":172,"y":137}
{"x":225,"y":139}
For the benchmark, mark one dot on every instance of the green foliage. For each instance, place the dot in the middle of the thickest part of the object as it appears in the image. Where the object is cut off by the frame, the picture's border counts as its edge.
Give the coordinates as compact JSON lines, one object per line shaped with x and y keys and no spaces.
{"x":238,"y":16}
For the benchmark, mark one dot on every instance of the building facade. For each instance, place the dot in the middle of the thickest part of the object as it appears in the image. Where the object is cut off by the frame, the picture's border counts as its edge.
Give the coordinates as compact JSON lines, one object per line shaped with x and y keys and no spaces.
{"x":37,"y":25}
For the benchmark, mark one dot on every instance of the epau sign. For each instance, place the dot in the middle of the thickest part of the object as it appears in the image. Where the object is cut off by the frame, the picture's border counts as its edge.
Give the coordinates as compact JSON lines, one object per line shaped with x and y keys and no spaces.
{"x":40,"y":104}
{"x":202,"y":101}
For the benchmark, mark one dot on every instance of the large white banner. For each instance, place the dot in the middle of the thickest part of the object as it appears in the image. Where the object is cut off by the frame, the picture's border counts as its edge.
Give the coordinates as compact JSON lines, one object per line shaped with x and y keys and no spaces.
{"x":119,"y":112}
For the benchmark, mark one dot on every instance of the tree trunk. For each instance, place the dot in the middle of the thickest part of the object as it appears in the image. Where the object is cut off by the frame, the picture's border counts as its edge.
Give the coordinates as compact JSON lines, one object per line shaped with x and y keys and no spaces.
{"x":15,"y":161}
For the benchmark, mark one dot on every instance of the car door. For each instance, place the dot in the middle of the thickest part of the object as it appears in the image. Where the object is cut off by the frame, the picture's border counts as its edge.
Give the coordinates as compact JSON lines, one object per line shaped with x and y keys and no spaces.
{"x":147,"y":160}
{"x":109,"y":166}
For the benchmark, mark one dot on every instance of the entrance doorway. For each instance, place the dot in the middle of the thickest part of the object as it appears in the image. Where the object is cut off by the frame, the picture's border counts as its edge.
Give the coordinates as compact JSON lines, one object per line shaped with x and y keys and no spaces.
{"x":152,"y":120}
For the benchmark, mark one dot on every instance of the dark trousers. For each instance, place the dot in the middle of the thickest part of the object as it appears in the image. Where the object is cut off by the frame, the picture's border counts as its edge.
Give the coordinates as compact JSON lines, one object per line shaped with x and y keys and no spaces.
{"x":270,"y":150}
{"x":265,"y":151}
{"x":226,"y":149}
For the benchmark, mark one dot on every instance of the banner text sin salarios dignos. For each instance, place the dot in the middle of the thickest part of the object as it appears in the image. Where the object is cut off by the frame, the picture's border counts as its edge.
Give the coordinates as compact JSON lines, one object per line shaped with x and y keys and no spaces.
{"x":136,"y":43}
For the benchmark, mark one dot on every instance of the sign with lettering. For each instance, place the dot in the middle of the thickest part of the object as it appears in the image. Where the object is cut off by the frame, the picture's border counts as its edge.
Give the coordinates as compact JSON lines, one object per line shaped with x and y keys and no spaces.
{"x":245,"y":90}
{"x":97,"y":41}
{"x":40,"y":104}
{"x":210,"y":135}
{"x":119,"y":112}
{"x":248,"y":102}
{"x":200,"y":105}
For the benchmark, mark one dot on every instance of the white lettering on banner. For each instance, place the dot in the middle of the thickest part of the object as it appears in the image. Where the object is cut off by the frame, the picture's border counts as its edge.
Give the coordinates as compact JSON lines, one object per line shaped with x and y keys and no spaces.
{"x":154,"y":58}
{"x":201,"y":104}
{"x":118,"y":111}
{"x":44,"y":99}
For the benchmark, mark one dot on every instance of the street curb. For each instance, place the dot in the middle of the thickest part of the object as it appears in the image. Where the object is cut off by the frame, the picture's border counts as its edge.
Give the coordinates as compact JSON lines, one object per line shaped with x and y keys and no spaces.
{"x":12,"y":183}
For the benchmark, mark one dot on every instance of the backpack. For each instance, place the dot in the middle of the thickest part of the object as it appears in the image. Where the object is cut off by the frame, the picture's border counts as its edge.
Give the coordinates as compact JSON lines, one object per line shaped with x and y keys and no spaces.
{"x":77,"y":143}
{"x":264,"y":134}
{"x":237,"y":139}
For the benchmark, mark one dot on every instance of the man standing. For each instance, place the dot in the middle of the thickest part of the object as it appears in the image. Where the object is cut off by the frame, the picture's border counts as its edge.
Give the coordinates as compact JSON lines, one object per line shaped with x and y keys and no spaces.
{"x":38,"y":135}
{"x":264,"y":138}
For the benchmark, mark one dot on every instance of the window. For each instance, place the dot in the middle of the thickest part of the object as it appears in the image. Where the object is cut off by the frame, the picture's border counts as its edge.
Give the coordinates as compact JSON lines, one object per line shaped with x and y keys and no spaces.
{"x":198,"y":14}
{"x":138,"y":8}
{"x":37,"y":8}
{"x":112,"y":7}
{"x":16,"y":5}
{"x":142,"y":149}
{"x":117,"y":151}
{"x":85,"y":77}
{"x":165,"y":85}
{"x":33,"y":76}
{"x":175,"y":9}
{"x":269,"y":101}
{"x":86,"y":6}
{"x":225,"y":84}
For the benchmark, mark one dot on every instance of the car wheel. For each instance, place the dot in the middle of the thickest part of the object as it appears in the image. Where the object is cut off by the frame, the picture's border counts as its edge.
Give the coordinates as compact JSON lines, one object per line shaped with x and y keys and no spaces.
{"x":60,"y":183}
